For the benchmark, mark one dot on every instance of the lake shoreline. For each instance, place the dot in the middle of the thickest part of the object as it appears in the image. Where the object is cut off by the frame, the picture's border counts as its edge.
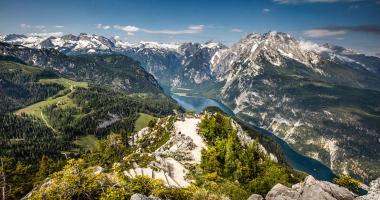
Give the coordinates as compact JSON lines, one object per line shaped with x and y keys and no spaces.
{"x":295,"y":159}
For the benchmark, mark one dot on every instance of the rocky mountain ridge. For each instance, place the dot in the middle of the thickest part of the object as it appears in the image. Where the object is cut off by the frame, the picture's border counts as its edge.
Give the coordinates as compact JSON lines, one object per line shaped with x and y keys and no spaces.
{"x":315,"y":97}
{"x":182,"y":64}
{"x":191,"y":64}
{"x":117,"y":71}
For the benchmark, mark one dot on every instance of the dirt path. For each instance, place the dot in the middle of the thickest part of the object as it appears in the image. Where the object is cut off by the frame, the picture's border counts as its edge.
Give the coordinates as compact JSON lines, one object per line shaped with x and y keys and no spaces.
{"x":47,"y":124}
{"x":189,"y":128}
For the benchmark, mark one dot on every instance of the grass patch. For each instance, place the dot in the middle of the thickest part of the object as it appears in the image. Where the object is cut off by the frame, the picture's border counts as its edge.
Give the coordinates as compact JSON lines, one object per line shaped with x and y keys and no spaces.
{"x":62,"y":99}
{"x":143,"y":121}
{"x":11,"y":66}
{"x":67,"y":83}
{"x":87,"y":142}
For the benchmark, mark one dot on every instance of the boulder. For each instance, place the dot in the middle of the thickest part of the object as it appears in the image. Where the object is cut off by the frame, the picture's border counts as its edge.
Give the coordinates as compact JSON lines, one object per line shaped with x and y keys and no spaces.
{"x":310,"y":189}
{"x":281,"y":192}
{"x":255,"y":197}
{"x":314,"y":189}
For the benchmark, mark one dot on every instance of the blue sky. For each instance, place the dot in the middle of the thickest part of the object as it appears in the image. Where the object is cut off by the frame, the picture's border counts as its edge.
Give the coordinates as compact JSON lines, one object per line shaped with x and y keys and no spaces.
{"x":351,"y":23}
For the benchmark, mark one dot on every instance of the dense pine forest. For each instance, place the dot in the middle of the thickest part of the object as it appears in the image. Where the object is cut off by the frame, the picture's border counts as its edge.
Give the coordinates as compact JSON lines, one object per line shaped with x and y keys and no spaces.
{"x":42,"y":115}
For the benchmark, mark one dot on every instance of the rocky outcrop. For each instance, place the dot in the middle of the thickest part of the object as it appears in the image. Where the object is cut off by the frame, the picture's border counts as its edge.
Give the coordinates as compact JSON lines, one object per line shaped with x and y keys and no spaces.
{"x":255,"y":197}
{"x":374,"y":191}
{"x":310,"y":189}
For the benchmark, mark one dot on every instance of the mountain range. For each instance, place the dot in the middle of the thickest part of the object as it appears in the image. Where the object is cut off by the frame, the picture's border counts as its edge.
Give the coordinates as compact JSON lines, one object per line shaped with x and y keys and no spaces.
{"x":324,"y":100}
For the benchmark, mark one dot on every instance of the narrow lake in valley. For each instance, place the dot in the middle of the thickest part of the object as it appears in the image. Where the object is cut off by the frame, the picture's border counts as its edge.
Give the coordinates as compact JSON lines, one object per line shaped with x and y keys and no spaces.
{"x":295,"y":159}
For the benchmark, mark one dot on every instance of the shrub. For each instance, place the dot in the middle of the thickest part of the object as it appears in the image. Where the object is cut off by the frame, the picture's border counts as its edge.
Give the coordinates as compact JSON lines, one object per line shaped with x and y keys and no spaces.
{"x":348,"y":182}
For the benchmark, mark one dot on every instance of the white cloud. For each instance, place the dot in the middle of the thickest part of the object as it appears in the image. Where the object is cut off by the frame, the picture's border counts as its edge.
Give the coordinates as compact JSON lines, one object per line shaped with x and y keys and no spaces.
{"x":236,"y":30}
{"x":310,"y":46}
{"x":129,"y":29}
{"x":40,"y":27}
{"x":105,"y":27}
{"x":265,"y":10}
{"x":59,"y":26}
{"x":46,"y":34}
{"x":323,"y":33}
{"x":25,"y":25}
{"x":132,"y":29}
{"x":196,"y":27}
{"x":190,"y":30}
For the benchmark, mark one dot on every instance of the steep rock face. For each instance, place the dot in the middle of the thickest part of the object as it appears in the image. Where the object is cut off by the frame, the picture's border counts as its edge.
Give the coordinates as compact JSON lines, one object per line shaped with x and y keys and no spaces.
{"x":258,"y":54}
{"x":317,"y":98}
{"x":162,"y":62}
{"x":195,"y":66}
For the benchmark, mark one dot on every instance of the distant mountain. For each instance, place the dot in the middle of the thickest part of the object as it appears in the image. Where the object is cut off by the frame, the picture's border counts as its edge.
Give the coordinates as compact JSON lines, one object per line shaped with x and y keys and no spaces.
{"x":83,"y":43}
{"x":322,"y":99}
{"x":172,"y":64}
{"x":117,"y":71}
{"x":256,"y":53}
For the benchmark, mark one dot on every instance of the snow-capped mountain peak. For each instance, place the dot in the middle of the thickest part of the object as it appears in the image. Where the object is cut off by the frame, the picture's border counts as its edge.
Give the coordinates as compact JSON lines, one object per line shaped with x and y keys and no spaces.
{"x":277,"y":49}
{"x":255,"y":50}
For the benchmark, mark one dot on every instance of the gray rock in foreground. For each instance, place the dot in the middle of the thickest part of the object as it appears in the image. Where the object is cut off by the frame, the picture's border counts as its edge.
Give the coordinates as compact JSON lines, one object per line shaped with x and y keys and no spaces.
{"x":255,"y":197}
{"x":310,"y":189}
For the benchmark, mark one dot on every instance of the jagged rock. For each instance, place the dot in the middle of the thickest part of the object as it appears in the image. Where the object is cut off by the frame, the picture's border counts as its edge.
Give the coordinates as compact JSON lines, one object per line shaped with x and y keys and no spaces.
{"x":327,"y":189}
{"x":255,"y":197}
{"x":310,"y":189}
{"x":143,"y":197}
{"x":374,"y":191}
{"x":281,"y":192}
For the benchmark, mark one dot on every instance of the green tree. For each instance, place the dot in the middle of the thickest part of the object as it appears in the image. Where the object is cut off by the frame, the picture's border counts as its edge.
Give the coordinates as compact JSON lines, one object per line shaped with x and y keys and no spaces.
{"x":15,"y":177}
{"x":114,"y":193}
{"x":152,"y":123}
{"x":209,"y":161}
{"x":231,"y":158}
{"x":269,"y":177}
{"x":44,"y":169}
